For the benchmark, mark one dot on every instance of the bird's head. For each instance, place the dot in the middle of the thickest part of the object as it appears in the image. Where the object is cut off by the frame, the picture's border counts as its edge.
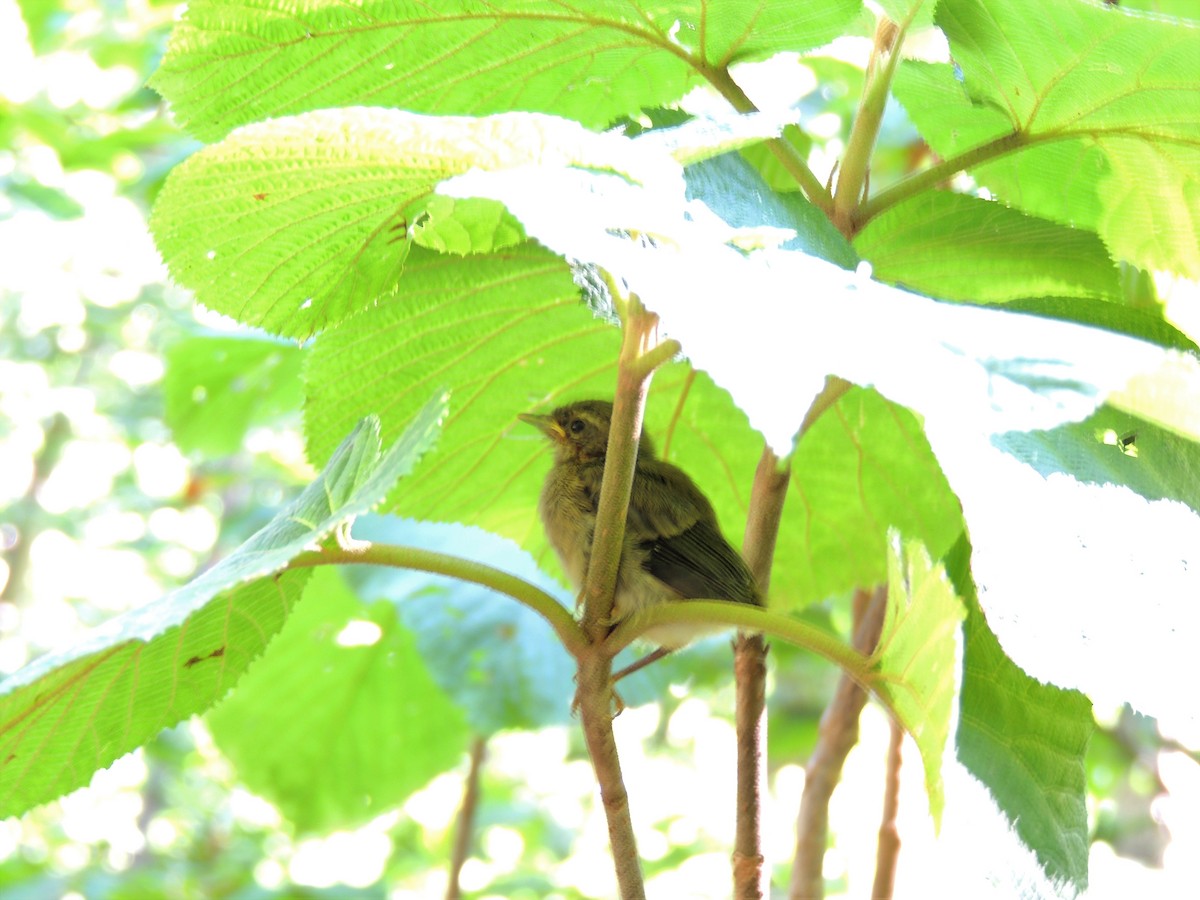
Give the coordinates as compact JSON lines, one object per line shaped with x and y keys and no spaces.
{"x":579,"y":430}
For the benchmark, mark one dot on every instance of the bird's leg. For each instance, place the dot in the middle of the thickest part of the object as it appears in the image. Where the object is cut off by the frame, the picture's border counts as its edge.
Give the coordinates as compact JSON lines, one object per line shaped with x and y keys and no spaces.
{"x":653,"y":656}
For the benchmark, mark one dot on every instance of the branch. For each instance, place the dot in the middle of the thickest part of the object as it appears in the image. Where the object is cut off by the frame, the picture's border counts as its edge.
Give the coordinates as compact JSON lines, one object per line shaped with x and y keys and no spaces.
{"x":927,"y":178}
{"x":838,"y":735}
{"x":365,"y":553}
{"x":888,"y":848}
{"x":636,"y":364}
{"x":750,"y":877}
{"x":464,"y":827}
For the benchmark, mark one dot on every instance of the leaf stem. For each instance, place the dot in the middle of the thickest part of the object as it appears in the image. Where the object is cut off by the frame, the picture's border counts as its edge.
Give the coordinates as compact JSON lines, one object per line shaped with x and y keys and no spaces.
{"x":856,"y":161}
{"x":366,"y":553}
{"x":927,"y":178}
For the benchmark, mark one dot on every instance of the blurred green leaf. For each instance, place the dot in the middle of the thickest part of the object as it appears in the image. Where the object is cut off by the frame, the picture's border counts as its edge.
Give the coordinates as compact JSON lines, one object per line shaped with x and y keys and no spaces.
{"x":340,"y":720}
{"x":1024,"y":740}
{"x":75,"y":711}
{"x":216,"y":388}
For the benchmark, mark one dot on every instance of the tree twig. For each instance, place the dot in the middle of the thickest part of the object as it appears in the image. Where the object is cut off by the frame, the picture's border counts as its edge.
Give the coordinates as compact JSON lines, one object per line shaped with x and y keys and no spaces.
{"x":750,"y":876}
{"x":838,"y":735}
{"x":464,"y":828}
{"x":887,"y":850}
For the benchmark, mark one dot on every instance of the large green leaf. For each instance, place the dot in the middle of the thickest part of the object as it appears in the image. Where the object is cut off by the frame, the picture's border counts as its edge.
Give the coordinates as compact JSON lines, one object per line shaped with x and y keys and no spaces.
{"x":1025,"y":741}
{"x":340,"y":720}
{"x":296,"y":224}
{"x":1103,"y":106}
{"x":229,"y":63}
{"x":74,"y":711}
{"x":215,"y":388}
{"x":914,"y":659}
{"x":962,"y":248}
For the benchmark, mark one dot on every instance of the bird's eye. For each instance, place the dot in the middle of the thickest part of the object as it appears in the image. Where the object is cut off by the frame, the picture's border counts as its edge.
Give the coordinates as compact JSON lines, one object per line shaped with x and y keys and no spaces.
{"x":576,"y":426}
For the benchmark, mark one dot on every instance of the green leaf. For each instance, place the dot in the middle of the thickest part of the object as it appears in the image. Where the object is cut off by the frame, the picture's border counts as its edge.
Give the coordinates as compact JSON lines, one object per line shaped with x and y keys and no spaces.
{"x":1113,"y":93}
{"x":216,"y":388}
{"x":863,"y":468}
{"x":962,"y":248}
{"x":297,"y":224}
{"x":1025,"y":741}
{"x":505,"y":330}
{"x":914,"y":659}
{"x":74,"y":711}
{"x":228,"y":64}
{"x":340,"y":720}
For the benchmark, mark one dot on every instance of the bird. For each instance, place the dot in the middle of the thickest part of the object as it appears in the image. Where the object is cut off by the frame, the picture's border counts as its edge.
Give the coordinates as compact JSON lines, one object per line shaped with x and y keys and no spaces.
{"x":673,"y":547}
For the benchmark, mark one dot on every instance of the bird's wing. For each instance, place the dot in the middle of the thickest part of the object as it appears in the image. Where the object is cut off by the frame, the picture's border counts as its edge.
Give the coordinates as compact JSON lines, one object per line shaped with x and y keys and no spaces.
{"x":675,"y":524}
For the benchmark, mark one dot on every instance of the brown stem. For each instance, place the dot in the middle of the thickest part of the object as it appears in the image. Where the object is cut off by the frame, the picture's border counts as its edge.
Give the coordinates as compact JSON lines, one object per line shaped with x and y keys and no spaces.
{"x":838,"y":735}
{"x":464,"y":828}
{"x":888,"y":849}
{"x":639,"y":356}
{"x":750,"y":877}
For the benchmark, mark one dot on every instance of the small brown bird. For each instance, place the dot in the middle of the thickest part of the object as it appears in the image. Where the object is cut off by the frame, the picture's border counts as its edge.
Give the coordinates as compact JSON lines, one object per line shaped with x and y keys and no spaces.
{"x":673,"y":547}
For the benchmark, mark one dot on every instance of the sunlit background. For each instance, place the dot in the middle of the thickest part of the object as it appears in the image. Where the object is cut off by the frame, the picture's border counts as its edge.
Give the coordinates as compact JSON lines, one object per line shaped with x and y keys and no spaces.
{"x":101,"y":512}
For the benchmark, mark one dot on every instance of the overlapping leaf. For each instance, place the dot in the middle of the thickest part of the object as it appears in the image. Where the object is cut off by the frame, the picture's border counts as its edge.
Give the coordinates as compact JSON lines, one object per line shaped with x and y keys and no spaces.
{"x":1103,"y":111}
{"x":230,"y":63}
{"x":71,"y":712}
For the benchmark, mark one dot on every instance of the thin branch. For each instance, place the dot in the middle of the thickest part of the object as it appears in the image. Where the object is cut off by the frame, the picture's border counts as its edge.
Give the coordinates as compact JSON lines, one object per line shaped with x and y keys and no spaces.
{"x":464,"y":828}
{"x":888,"y":849}
{"x":838,"y":735}
{"x":365,"y":553}
{"x":751,"y":880}
{"x":639,"y":356}
{"x":927,"y":178}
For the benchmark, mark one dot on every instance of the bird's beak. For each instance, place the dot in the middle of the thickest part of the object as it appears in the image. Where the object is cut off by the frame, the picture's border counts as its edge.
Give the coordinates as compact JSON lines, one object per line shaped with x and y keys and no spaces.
{"x":546,"y":425}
